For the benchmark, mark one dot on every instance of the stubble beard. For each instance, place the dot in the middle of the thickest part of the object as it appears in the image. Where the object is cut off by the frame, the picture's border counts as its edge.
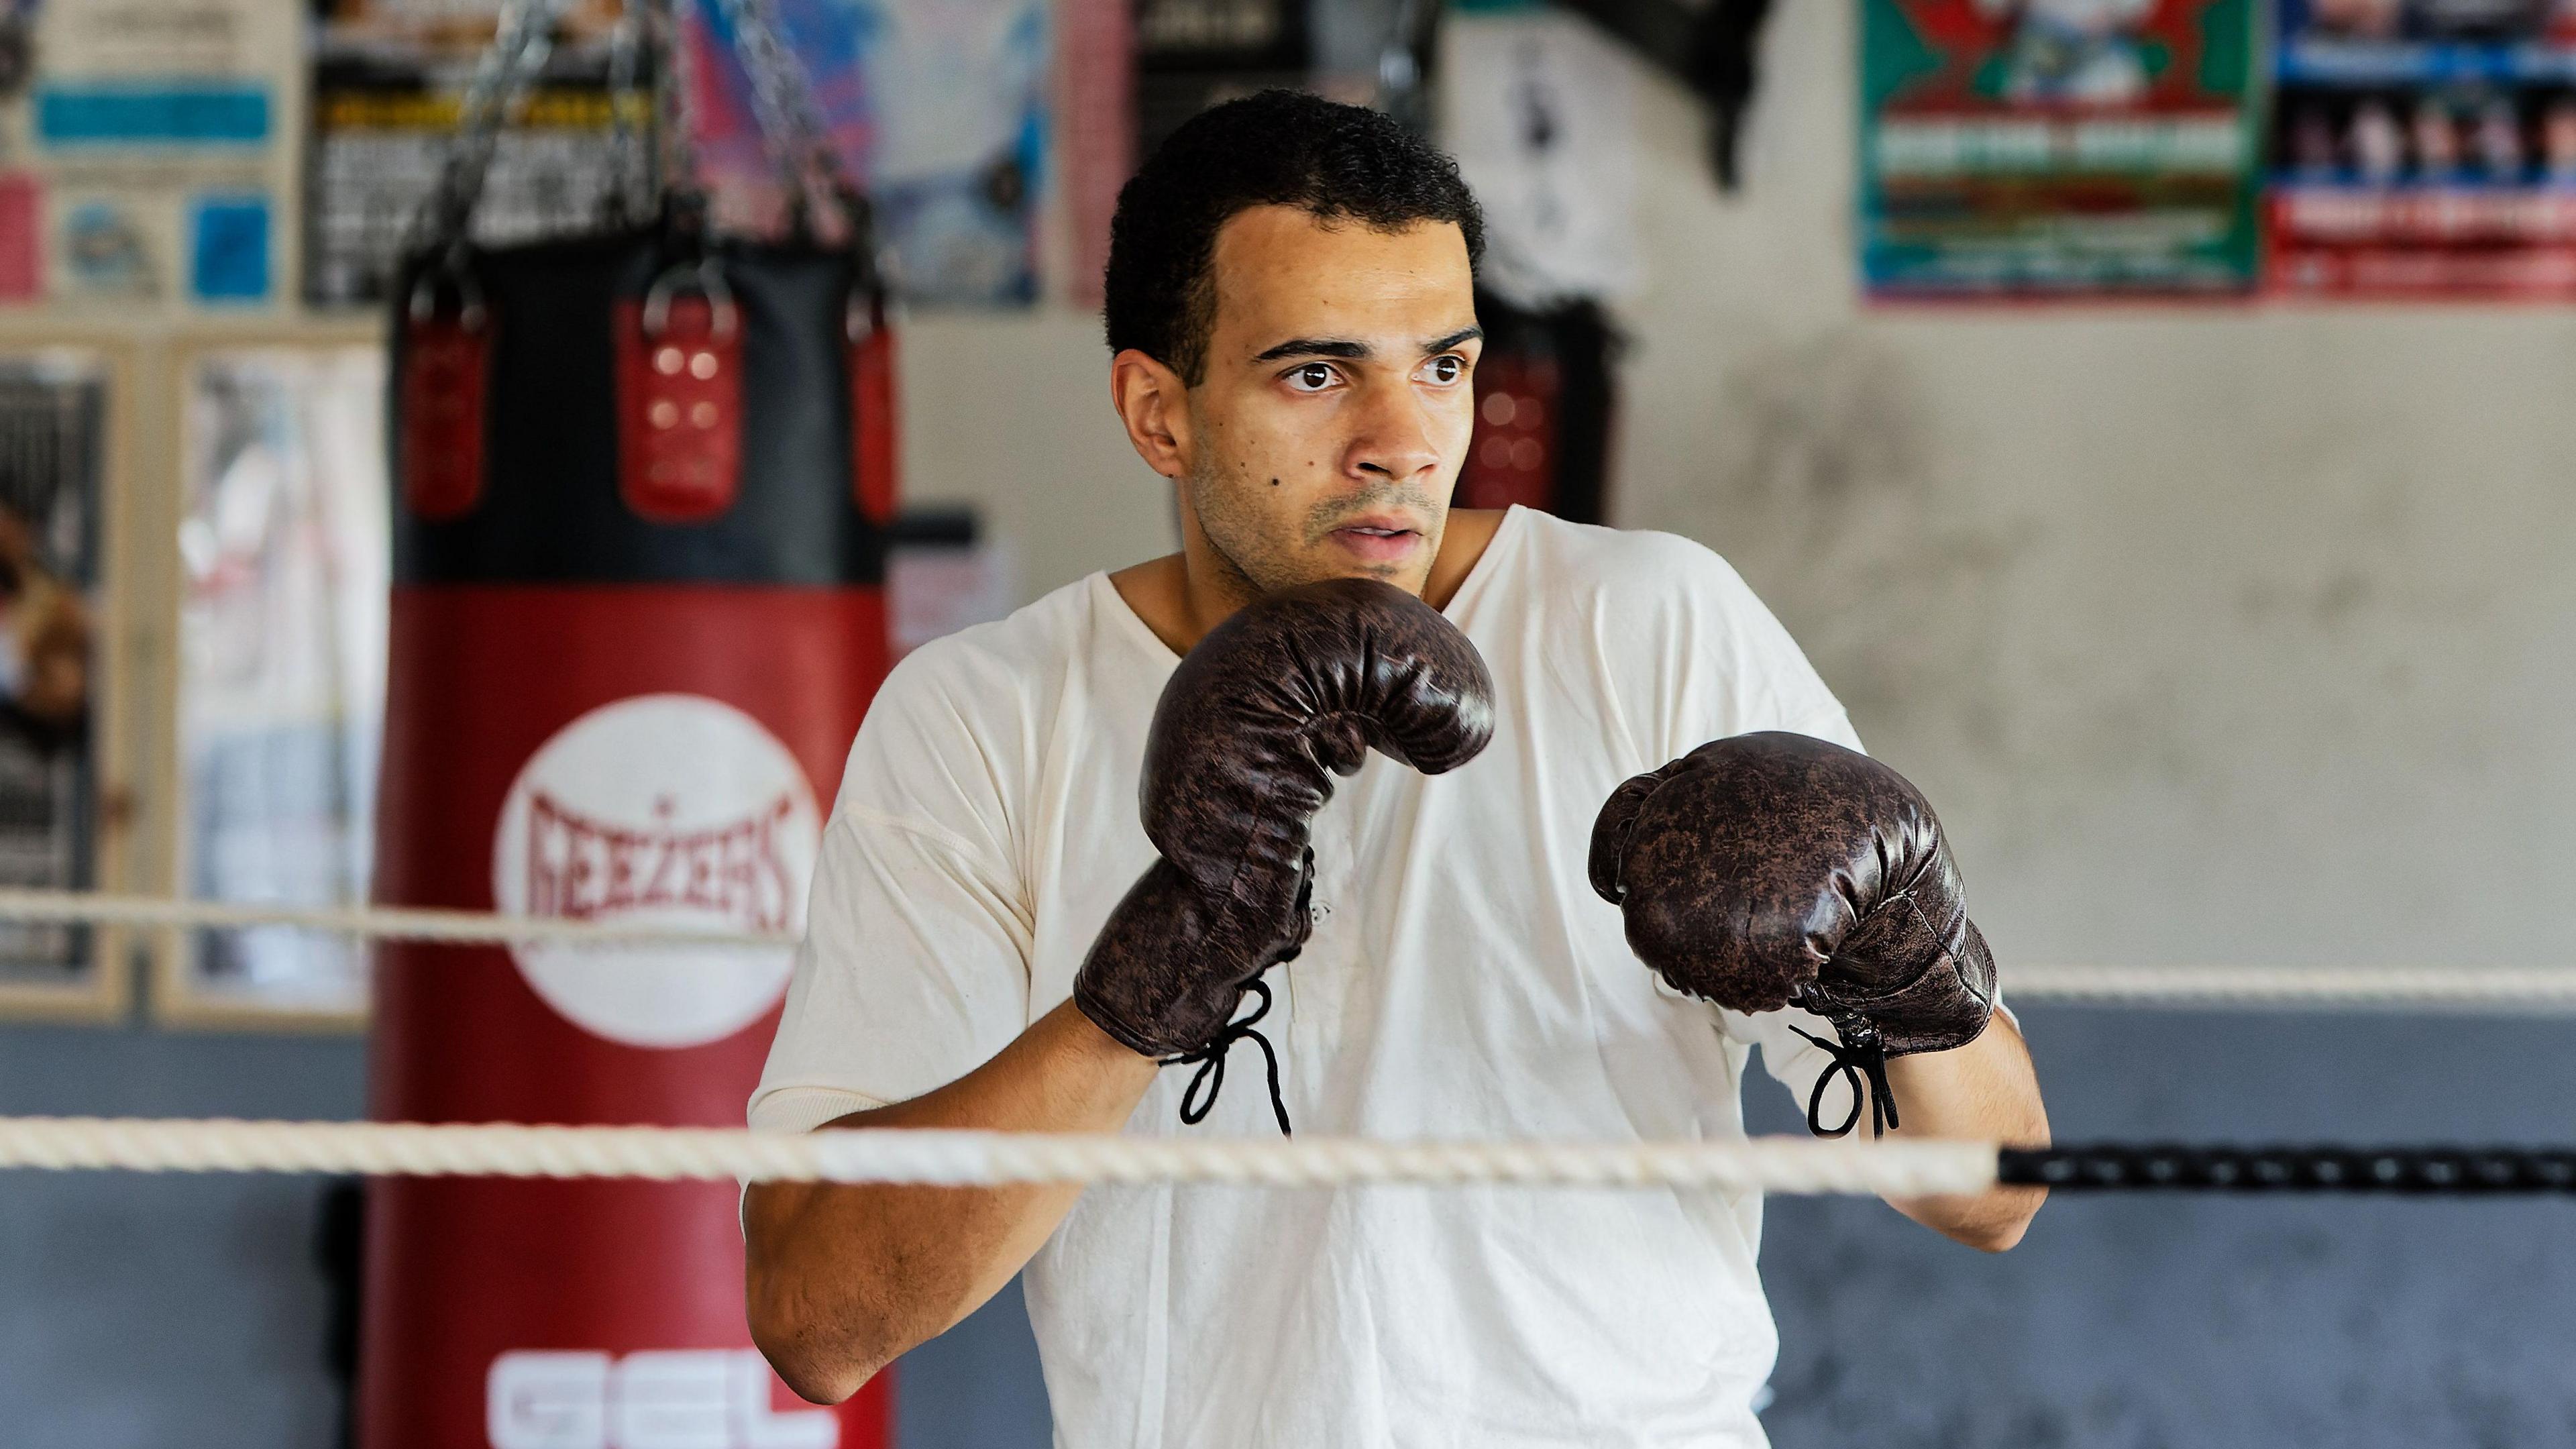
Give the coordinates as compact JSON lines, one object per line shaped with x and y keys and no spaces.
{"x":1252,"y":563}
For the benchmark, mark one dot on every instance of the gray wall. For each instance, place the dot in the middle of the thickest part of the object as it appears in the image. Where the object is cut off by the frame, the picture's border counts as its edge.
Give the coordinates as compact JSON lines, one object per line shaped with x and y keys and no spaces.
{"x":145,"y":1311}
{"x":2141,"y":1322}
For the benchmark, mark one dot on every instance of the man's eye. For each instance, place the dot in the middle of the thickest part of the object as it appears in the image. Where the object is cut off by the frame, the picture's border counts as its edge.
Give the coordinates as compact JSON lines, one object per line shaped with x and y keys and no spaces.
{"x":1445,"y":369}
{"x":1313,"y":377}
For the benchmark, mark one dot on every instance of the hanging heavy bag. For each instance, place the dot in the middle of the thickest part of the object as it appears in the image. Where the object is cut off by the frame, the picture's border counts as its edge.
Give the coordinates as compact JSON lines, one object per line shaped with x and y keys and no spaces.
{"x":641,"y":479}
{"x":743,"y":387}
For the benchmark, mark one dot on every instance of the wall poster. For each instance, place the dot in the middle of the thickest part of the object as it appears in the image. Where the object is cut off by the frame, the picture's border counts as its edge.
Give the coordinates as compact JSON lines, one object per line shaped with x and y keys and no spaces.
{"x":2425,"y":148}
{"x":153,"y":153}
{"x":2058,"y":147}
{"x":389,"y":82}
{"x":382,"y":126}
{"x":57,"y":440}
{"x":938,"y":107}
{"x":285,"y":572}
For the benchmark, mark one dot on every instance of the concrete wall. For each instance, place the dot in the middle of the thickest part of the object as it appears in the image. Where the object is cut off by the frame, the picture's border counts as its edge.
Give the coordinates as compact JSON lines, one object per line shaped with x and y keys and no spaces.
{"x":2219,"y":635}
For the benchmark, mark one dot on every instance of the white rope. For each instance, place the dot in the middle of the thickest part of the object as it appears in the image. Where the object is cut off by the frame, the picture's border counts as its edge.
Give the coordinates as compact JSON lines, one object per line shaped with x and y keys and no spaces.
{"x":378,"y":922}
{"x":975,"y":1159}
{"x":2294,"y":985}
{"x":2462,"y":986}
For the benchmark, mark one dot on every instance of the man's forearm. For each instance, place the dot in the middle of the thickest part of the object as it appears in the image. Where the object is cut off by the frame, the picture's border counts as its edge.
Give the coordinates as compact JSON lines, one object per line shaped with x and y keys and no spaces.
{"x":846,"y":1276}
{"x":1984,"y":1091}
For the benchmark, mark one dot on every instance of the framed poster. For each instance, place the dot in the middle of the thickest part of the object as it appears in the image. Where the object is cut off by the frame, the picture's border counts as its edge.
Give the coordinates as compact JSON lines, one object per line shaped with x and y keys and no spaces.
{"x":382,"y":127}
{"x":62,"y":413}
{"x":2424,"y":148}
{"x":284,"y":570}
{"x":160,"y":170}
{"x":389,"y":85}
{"x":2053,"y":148}
{"x":939,"y":108}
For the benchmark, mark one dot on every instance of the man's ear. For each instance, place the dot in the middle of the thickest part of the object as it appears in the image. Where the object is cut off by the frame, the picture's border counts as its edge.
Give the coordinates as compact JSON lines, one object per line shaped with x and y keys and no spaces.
{"x":1155,"y":405}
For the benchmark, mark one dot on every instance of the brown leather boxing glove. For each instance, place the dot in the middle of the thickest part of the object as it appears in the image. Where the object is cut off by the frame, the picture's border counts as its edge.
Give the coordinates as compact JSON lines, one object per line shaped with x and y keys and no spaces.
{"x":1274,"y":702}
{"x":1775,"y":869}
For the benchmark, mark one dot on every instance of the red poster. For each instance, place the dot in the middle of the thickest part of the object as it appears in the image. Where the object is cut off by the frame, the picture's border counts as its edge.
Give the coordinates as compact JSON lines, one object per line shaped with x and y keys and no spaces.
{"x":22,"y":254}
{"x":2425,"y":148}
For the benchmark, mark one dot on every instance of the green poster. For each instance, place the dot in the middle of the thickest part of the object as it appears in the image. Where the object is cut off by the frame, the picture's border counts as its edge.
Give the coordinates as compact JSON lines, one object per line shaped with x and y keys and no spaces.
{"x":2017,"y":148}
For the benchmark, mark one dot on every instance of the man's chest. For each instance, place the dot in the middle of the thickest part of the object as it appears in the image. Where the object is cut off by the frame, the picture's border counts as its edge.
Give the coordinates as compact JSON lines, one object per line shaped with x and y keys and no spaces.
{"x":1426,"y":889}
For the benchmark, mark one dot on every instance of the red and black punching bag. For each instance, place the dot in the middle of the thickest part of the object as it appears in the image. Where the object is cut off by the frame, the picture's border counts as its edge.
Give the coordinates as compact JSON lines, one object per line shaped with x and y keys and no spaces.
{"x":638,"y":610}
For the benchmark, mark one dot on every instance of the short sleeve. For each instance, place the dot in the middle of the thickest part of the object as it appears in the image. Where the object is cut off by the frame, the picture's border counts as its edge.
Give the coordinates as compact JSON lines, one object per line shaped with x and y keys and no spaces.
{"x":1748,"y":673}
{"x":1740,"y":671}
{"x":915,"y":965}
{"x":914,"y":970}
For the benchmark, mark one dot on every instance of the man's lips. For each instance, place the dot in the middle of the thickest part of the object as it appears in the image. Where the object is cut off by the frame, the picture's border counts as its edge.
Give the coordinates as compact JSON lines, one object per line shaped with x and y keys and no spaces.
{"x":1380,"y":540}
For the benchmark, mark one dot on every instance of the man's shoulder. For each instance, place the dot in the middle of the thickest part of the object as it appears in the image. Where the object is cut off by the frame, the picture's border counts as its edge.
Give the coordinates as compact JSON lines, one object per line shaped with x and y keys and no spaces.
{"x":1626,"y":568}
{"x":964,"y":713}
{"x":1037,"y":641}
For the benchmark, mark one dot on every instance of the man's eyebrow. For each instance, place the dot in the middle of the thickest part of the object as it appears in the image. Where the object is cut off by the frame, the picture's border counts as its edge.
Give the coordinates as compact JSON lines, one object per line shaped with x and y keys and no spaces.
{"x":1358,"y":351}
{"x":1316,"y":347}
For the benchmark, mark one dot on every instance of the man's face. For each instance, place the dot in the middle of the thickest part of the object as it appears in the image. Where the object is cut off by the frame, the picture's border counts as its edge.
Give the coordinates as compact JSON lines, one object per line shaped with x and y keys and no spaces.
{"x":1337,"y":402}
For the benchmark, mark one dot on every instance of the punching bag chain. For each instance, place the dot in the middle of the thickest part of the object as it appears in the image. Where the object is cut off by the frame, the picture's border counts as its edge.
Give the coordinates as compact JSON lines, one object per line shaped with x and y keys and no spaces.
{"x":790,"y":122}
{"x":502,"y":75}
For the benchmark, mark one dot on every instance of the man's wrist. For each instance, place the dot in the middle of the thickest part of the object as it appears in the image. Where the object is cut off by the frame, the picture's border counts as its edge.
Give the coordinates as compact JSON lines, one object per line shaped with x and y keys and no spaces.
{"x":1073,"y":1031}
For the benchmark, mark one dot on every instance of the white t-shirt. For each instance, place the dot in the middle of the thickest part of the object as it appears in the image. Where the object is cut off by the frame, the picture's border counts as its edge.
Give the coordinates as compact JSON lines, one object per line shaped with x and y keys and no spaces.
{"x":1462,"y":981}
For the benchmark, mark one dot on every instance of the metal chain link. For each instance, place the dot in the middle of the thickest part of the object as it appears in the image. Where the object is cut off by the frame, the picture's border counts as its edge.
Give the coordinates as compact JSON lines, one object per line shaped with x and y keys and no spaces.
{"x":791,"y":121}
{"x":675,"y":105}
{"x":521,"y":42}
{"x":625,"y":44}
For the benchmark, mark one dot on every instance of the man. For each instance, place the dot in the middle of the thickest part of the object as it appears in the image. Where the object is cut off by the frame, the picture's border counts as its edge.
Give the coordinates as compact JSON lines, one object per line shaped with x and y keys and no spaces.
{"x":1290,"y":307}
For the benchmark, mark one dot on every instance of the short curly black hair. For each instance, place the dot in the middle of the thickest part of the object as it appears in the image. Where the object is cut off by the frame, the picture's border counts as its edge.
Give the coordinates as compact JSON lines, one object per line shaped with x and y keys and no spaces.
{"x":1274,"y":148}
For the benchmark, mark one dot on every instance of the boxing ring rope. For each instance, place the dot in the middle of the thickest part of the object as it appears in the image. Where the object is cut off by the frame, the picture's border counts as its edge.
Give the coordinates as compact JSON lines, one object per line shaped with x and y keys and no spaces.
{"x":981,"y":1159}
{"x":384,"y":923}
{"x":986,"y":1159}
{"x":2322,"y":986}
{"x":972,"y":1159}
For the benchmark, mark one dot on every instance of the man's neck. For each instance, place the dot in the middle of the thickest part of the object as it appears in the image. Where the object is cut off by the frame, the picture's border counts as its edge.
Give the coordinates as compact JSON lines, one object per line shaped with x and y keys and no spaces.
{"x":1180,"y":603}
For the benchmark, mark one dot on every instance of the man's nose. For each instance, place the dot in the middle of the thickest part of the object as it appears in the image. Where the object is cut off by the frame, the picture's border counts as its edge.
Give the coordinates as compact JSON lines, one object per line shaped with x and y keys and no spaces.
{"x":1395,"y":440}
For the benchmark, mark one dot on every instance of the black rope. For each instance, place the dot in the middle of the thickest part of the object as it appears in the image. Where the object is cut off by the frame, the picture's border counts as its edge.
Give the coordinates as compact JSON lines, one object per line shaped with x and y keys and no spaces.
{"x":1211,"y":1065}
{"x":1860,"y":1060}
{"x":2444,"y":1171}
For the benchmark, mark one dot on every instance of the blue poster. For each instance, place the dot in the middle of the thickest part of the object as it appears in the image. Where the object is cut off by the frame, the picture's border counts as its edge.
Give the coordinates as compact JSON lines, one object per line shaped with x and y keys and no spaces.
{"x":938,"y":108}
{"x":228,"y":248}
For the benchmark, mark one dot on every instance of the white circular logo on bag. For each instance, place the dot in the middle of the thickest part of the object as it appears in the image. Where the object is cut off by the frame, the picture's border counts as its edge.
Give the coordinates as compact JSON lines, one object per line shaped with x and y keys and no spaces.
{"x":661,"y":810}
